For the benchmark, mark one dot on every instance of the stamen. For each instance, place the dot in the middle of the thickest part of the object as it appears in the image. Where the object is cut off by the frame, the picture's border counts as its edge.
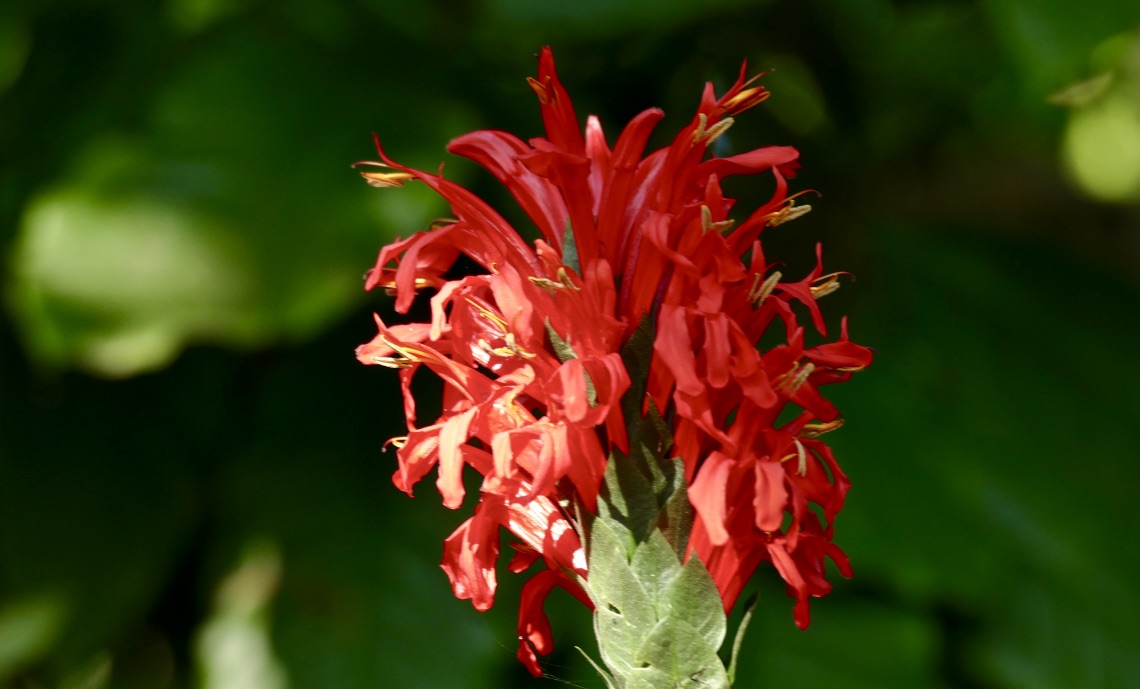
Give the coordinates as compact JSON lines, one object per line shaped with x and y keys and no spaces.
{"x":390,"y":286}
{"x":386,"y":179}
{"x":540,"y":90}
{"x":747,"y":98}
{"x":830,"y":283}
{"x":564,"y":278}
{"x":514,"y":348}
{"x":546,"y":284}
{"x":794,"y":379}
{"x":397,"y":442}
{"x":494,"y":317}
{"x":707,"y":224}
{"x":441,"y":222}
{"x":788,"y":214}
{"x":391,"y":362}
{"x":708,"y":135}
{"x":801,"y":457}
{"x":550,"y":286}
{"x":758,"y":294}
{"x":814,"y":430}
{"x":411,"y":355}
{"x":512,"y":408}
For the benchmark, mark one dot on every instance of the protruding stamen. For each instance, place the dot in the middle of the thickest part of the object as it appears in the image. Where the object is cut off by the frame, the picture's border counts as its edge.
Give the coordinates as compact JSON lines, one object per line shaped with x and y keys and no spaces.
{"x":409,"y":355}
{"x":550,"y":286}
{"x":707,"y":135}
{"x":383,"y":179}
{"x":397,"y":442}
{"x":491,"y":315}
{"x":540,"y":90}
{"x":546,"y":284}
{"x":392,"y":362}
{"x":441,"y":222}
{"x":707,"y":224}
{"x":814,"y":430}
{"x":507,"y":403}
{"x":788,"y":214}
{"x":760,"y":292}
{"x":512,"y":348}
{"x":825,"y":285}
{"x":390,"y":287}
{"x":794,"y":379}
{"x":564,"y":278}
{"x":747,"y":98}
{"x":801,"y":457}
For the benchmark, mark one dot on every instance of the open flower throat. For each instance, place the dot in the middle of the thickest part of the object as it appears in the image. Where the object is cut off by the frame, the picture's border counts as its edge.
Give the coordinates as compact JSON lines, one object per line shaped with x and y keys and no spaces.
{"x":529,"y":351}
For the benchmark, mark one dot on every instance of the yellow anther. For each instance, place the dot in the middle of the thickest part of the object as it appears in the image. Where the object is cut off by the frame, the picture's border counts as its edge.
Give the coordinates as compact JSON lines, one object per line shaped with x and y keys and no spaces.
{"x":787,"y":214}
{"x":793,"y":380}
{"x":801,"y":457}
{"x":707,"y":224}
{"x":386,"y":179}
{"x":548,"y":285}
{"x":441,"y":222}
{"x":398,"y":442}
{"x":513,"y":348}
{"x":411,"y":355}
{"x":491,"y":315}
{"x":496,"y":351}
{"x":746,"y":98}
{"x":707,"y":135}
{"x":826,"y":284}
{"x":540,"y":90}
{"x":511,"y":407}
{"x":813,"y":430}
{"x":759,"y":292}
{"x":391,"y":362}
{"x":564,"y":278}
{"x":390,"y":286}
{"x":383,"y":179}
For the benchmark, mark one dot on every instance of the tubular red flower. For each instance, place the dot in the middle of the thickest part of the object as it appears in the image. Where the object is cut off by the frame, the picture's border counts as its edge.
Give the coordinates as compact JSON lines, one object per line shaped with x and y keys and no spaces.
{"x":528,"y":350}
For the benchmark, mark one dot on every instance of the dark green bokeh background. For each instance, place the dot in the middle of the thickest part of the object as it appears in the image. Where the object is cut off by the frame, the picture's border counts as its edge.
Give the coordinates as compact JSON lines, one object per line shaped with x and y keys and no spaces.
{"x":192,"y":488}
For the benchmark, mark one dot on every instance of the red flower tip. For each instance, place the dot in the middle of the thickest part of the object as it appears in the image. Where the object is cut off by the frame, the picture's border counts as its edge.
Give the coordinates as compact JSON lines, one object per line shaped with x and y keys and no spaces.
{"x":743,"y":95}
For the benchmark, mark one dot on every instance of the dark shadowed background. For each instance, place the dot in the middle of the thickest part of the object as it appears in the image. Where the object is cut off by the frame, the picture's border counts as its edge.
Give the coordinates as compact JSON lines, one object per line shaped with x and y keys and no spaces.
{"x":193,"y":491}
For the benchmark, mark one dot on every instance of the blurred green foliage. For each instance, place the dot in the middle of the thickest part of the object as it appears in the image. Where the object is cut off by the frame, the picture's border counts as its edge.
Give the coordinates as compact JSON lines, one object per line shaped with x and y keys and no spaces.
{"x":192,"y":487}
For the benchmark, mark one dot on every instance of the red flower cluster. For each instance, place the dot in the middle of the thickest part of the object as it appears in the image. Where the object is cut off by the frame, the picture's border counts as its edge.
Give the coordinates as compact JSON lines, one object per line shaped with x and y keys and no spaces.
{"x":529,"y":350}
